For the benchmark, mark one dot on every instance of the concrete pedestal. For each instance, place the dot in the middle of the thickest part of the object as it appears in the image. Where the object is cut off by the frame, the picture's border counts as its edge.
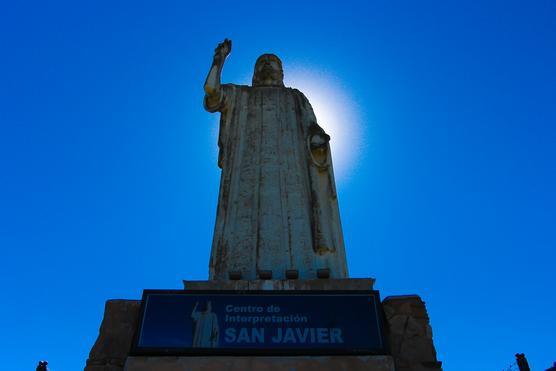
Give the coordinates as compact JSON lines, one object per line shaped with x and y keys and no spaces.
{"x":312,"y":285}
{"x":297,"y":363}
{"x":406,"y":324}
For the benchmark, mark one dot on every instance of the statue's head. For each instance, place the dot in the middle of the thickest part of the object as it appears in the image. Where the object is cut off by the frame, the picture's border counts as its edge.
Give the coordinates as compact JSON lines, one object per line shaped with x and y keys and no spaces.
{"x":268,"y":71}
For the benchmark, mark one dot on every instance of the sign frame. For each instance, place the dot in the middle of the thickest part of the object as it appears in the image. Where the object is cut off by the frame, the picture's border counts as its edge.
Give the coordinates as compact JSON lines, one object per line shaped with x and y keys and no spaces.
{"x":137,"y":350}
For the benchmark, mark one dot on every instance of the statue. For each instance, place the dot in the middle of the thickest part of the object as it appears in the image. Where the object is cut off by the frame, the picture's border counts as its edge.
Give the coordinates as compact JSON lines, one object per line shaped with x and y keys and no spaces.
{"x":277,"y":207}
{"x":42,"y":366}
{"x":205,"y":329}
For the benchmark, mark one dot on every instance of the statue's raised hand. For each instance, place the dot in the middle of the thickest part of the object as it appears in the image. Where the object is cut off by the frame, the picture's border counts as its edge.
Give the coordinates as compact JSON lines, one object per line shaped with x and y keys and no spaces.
{"x":222,"y":51}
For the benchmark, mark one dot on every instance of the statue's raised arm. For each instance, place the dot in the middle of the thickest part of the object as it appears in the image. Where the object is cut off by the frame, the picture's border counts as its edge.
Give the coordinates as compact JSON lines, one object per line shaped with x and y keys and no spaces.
{"x":213,"y":90}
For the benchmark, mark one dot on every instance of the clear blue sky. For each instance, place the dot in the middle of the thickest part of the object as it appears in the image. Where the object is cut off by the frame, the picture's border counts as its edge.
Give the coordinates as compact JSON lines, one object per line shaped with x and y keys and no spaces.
{"x":108,"y":176}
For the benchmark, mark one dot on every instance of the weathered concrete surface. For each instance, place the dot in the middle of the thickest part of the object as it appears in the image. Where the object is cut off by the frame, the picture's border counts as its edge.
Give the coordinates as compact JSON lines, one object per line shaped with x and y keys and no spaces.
{"x":115,"y":336}
{"x":410,"y":334}
{"x":318,"y":284}
{"x":323,"y":363}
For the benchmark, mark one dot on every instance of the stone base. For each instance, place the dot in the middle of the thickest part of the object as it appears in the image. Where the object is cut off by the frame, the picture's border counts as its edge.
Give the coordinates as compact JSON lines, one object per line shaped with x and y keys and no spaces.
{"x":406,"y":325}
{"x":297,"y":363}
{"x":312,"y":285}
{"x":410,"y":333}
{"x":115,"y":336}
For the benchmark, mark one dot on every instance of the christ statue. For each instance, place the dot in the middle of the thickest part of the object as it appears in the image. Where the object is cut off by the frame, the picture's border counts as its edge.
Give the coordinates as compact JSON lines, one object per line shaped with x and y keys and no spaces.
{"x":205,"y":327}
{"x":277,"y":206}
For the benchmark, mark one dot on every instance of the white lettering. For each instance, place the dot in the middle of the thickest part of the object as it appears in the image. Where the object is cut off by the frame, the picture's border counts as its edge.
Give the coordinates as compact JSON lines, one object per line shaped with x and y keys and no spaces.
{"x":258,"y":335}
{"x":230,"y":335}
{"x":336,"y":335}
{"x":243,"y":336}
{"x":305,"y":335}
{"x":278,"y":337}
{"x":302,"y":334}
{"x":289,"y":336}
{"x":322,"y":335}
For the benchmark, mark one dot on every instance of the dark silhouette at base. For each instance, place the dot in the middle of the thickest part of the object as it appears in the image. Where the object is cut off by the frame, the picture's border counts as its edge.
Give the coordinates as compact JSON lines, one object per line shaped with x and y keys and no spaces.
{"x":522,"y":362}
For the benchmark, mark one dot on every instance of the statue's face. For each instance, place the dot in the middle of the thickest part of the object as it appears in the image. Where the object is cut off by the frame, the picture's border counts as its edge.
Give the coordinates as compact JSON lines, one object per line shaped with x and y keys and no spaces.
{"x":268,"y":71}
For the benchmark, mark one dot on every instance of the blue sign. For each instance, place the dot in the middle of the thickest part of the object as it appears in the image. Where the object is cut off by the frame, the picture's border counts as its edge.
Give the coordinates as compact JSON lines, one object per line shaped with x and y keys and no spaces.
{"x":261,"y":322}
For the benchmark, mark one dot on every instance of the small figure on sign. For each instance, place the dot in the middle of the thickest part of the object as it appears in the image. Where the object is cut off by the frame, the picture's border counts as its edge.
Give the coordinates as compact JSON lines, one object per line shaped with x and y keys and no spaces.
{"x":205,"y":327}
{"x":42,"y":366}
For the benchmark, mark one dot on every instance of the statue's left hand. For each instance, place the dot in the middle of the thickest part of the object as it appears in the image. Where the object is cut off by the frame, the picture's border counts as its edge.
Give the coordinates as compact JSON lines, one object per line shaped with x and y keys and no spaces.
{"x":319,"y":140}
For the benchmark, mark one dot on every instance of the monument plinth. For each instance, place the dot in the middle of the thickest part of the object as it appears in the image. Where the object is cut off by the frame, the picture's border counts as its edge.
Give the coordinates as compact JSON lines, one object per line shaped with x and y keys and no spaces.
{"x":278,"y":296}
{"x":409,"y":345}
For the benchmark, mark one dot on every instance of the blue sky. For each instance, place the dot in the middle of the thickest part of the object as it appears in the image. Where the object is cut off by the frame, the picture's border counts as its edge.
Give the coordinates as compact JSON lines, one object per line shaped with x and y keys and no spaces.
{"x":108,"y":176}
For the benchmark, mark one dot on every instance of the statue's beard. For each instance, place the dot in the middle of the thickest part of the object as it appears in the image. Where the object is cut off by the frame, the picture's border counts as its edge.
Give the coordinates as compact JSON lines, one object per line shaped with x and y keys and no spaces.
{"x":268,"y":77}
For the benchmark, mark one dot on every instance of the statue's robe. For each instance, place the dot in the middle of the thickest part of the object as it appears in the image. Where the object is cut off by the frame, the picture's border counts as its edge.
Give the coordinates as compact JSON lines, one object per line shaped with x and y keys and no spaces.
{"x":277,"y":207}
{"x":206,"y":332}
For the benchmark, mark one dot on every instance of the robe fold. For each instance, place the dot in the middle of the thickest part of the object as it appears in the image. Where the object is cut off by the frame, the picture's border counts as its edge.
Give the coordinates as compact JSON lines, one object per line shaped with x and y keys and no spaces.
{"x":277,"y":206}
{"x":205,"y":329}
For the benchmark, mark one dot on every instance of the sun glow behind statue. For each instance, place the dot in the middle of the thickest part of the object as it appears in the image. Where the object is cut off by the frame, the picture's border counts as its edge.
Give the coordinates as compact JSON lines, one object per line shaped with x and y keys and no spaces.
{"x":335,"y":111}
{"x":336,"y":114}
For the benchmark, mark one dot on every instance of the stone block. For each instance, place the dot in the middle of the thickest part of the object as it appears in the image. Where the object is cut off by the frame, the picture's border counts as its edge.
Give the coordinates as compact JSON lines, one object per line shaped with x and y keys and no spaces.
{"x":410,"y":334}
{"x":115,"y":336}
